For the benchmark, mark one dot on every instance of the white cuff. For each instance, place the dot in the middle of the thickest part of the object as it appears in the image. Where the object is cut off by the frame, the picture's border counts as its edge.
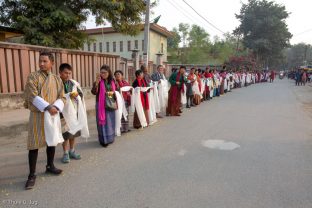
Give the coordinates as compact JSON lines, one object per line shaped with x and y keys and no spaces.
{"x":40,"y":103}
{"x":59,"y":104}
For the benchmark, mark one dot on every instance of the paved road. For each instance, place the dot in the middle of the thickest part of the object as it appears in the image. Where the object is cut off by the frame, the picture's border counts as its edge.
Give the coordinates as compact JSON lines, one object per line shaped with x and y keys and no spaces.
{"x":170,"y":165}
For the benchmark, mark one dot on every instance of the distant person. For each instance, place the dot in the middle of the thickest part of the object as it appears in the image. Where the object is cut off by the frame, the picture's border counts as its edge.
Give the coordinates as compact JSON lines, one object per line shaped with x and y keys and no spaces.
{"x":177,"y":81}
{"x":297,"y":77}
{"x":120,"y":83}
{"x":272,"y":76}
{"x":191,"y":78}
{"x":147,"y":76}
{"x":140,"y":82}
{"x":304,"y":78}
{"x":159,"y":76}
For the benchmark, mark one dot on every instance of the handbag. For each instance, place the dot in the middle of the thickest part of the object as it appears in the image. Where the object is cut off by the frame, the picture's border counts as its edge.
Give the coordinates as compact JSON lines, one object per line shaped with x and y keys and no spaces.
{"x":110,"y":103}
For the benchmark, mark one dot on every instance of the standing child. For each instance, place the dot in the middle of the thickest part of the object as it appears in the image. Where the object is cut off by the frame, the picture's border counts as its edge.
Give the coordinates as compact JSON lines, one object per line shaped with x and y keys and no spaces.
{"x":74,"y":117}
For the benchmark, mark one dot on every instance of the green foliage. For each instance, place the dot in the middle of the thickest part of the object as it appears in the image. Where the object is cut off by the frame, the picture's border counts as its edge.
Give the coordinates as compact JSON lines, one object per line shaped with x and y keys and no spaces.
{"x":175,"y":40}
{"x":197,"y":47}
{"x":58,"y":23}
{"x":264,"y":30}
{"x":198,"y":37}
{"x":299,"y":55}
{"x":184,"y":31}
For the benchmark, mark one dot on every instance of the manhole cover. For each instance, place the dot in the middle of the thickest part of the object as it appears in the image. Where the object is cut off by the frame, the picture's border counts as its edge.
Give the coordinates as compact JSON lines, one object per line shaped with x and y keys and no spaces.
{"x":220,"y":144}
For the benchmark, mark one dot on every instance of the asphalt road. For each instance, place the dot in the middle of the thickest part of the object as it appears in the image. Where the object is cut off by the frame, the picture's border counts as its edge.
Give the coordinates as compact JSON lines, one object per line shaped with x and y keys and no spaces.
{"x":251,"y":148}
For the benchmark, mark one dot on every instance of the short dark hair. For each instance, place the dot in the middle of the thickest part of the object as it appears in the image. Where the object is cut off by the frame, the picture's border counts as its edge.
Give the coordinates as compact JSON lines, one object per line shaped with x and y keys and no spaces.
{"x":48,"y":54}
{"x":182,"y":67}
{"x":65,"y":66}
{"x":143,"y":67}
{"x":118,"y":71}
{"x":138,"y":72}
{"x":107,"y":68}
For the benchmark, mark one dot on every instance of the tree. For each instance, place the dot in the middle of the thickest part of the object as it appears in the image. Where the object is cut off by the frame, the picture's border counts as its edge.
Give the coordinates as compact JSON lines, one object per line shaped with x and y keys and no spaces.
{"x":298,"y":55}
{"x":198,"y":37}
{"x":175,"y":40}
{"x":184,"y":30}
{"x":198,"y":49}
{"x":58,"y":23}
{"x":263,"y":27}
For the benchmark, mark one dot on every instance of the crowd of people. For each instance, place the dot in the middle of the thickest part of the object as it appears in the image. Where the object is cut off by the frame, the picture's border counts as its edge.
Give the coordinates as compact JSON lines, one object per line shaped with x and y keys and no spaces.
{"x":58,"y":111}
{"x":302,"y":77}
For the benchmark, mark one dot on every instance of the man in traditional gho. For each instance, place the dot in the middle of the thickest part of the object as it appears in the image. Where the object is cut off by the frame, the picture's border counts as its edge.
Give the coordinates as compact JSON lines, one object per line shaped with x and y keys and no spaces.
{"x":177,"y":81}
{"x":44,"y":97}
{"x":159,"y":76}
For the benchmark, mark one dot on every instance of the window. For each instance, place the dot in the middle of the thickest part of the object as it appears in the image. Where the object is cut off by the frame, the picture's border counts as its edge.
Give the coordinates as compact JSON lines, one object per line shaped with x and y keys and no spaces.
{"x":129,"y":45}
{"x":142,"y":45}
{"x":101,"y":47}
{"x":107,"y":46}
{"x":162,"y":48}
{"x":121,"y":46}
{"x":114,"y":46}
{"x":94,"y":47}
{"x":89,"y":47}
{"x":136,"y":44}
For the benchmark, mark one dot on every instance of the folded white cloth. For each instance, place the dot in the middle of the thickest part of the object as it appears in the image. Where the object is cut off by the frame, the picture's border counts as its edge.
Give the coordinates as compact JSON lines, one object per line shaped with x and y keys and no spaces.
{"x":52,"y":129}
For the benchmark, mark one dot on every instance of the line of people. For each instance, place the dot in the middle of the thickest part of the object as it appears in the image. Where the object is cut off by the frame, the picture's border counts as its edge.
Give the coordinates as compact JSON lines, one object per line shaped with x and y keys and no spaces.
{"x":195,"y":86}
{"x":58,"y":110}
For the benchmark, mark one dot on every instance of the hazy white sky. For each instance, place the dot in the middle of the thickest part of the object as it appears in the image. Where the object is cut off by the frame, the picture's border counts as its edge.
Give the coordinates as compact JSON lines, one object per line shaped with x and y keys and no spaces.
{"x":222,"y":14}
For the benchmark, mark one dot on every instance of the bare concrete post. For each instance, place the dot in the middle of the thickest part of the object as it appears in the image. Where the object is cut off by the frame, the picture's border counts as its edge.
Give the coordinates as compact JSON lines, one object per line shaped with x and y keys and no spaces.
{"x":159,"y":59}
{"x":135,"y":58}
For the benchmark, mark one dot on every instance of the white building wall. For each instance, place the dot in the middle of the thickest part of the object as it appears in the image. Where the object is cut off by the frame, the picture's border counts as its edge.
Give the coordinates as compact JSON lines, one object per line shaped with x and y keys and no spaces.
{"x":155,"y":44}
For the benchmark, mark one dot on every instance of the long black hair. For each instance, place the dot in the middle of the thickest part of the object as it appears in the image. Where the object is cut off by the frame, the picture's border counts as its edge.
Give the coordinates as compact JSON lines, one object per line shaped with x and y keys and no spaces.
{"x":110,"y":74}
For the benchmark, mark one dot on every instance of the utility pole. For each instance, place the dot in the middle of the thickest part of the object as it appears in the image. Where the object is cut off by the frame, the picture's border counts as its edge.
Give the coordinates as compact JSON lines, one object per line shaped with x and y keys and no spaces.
{"x":305,"y":55}
{"x":146,"y":33}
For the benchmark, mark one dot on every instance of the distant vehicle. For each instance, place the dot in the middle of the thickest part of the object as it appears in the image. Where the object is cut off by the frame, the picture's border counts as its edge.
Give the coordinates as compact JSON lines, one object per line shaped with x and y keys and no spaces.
{"x":306,"y":68}
{"x":281,"y":74}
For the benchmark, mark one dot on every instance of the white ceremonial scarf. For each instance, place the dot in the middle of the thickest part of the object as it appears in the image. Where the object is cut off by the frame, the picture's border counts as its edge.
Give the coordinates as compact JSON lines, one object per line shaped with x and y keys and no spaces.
{"x":202,"y":86}
{"x":72,"y":109}
{"x":136,"y":104}
{"x":183,"y":95}
{"x":163,"y":94}
{"x":124,"y":109}
{"x":225,"y":84}
{"x":118,"y":112}
{"x":152,"y":109}
{"x":156,"y":97}
{"x":195,"y":88}
{"x":52,"y":129}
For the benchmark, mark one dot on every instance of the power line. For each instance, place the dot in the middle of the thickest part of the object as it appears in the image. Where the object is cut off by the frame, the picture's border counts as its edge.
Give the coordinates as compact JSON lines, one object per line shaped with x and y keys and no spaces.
{"x":303,"y":32}
{"x":172,"y":4}
{"x":184,"y":10}
{"x":204,"y":18}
